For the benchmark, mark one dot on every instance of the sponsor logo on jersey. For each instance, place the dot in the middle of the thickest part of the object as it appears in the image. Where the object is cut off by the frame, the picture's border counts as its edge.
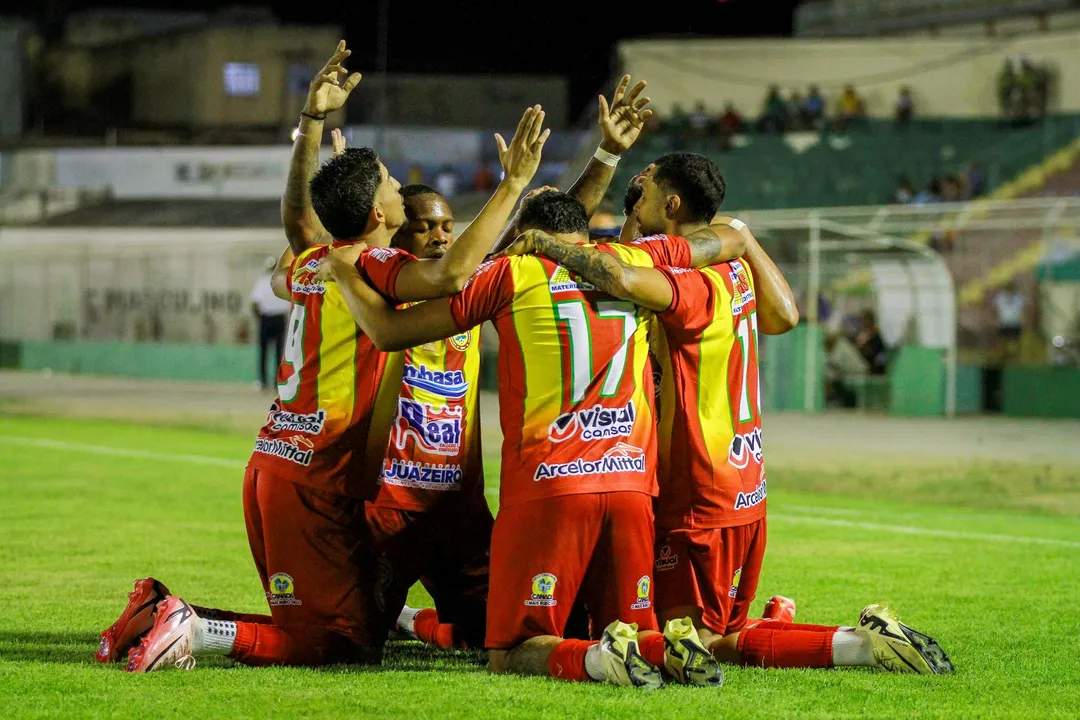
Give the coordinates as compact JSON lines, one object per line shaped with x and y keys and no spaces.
{"x":282,"y":590}
{"x":563,"y":281}
{"x":594,"y":423}
{"x":382,"y":254}
{"x":744,"y":501}
{"x":461,"y":342}
{"x":447,"y":383}
{"x":649,"y":238}
{"x":741,"y":290}
{"x":735,"y":583}
{"x":644,"y":586}
{"x":434,"y":430}
{"x":667,"y":559}
{"x":295,"y":449}
{"x":543,"y":591}
{"x":745,"y":446}
{"x":619,"y":459}
{"x":282,"y":421}
{"x":305,"y":281}
{"x":484,"y":267}
{"x":679,"y":270}
{"x":425,"y":476}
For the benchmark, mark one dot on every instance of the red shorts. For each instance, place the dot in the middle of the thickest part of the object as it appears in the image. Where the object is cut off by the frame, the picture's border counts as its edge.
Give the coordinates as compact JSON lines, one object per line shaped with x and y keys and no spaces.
{"x":545,"y":553}
{"x":313,"y":553}
{"x":716,"y":570}
{"x":447,"y":550}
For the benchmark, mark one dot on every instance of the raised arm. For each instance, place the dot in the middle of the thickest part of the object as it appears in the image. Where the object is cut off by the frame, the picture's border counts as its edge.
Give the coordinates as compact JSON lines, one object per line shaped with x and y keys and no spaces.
{"x":646,"y":287}
{"x":325,"y":94}
{"x":388,"y":328}
{"x":429,"y":279}
{"x":279,"y":280}
{"x":620,"y":125}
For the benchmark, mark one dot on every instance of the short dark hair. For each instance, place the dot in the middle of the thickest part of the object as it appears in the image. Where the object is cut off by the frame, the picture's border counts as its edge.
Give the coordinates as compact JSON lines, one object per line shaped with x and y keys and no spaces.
{"x":343,"y":191}
{"x":554,"y":212}
{"x":415,"y":189}
{"x":633,"y":194}
{"x":696,"y":180}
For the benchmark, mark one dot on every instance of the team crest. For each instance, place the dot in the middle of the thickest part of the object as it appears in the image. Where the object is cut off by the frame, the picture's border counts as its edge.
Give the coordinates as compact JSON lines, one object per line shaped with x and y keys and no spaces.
{"x":735,"y":583}
{"x":461,"y":342}
{"x":282,"y":590}
{"x":543,"y":591}
{"x":644,"y":588}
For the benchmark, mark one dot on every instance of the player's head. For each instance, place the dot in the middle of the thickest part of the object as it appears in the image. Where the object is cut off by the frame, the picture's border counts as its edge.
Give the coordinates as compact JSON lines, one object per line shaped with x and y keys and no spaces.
{"x":679,"y":188}
{"x":429,"y":223}
{"x":555,"y":213}
{"x":354,"y":194}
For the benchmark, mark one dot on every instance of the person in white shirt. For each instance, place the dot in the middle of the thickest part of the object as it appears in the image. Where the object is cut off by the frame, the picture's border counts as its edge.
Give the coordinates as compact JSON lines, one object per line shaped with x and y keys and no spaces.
{"x":1009,"y":304}
{"x":271,"y":312}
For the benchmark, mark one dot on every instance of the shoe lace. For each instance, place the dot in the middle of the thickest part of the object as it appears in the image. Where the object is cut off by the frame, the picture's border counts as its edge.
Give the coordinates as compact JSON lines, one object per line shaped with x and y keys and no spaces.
{"x":187,"y":662}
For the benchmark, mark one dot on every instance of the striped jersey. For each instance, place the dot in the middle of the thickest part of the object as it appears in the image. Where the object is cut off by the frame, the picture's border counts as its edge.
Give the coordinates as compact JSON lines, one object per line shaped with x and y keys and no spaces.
{"x":712,"y":472}
{"x":575,"y":382}
{"x":334,"y":387}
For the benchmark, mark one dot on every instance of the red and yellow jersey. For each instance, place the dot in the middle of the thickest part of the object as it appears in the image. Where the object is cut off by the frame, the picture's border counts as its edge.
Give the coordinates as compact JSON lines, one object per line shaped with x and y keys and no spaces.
{"x":575,"y":383}
{"x":334,"y":388}
{"x":711,"y":467}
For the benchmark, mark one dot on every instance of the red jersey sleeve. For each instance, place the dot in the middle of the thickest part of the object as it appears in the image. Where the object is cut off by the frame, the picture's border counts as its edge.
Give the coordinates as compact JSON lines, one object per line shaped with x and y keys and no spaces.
{"x":669,"y":250}
{"x":380,"y":267}
{"x":693,"y":298}
{"x":488,"y":293}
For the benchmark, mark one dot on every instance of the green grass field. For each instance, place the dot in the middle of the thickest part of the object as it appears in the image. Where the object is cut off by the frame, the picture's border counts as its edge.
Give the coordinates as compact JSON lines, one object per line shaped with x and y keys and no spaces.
{"x":86,"y":507}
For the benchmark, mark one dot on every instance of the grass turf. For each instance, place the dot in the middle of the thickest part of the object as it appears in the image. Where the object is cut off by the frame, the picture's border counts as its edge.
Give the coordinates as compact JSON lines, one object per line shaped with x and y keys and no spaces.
{"x":79,"y":525}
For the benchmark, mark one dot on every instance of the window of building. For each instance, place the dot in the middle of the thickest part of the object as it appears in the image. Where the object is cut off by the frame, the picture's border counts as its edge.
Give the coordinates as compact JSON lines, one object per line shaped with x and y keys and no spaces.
{"x":241,"y":79}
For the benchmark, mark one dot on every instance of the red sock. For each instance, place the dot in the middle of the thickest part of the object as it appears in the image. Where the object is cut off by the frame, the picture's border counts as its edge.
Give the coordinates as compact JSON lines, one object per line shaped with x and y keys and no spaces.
{"x":214,"y":614}
{"x":764,"y":647}
{"x":260,"y":644}
{"x":652,"y":649}
{"x":567,"y":660}
{"x":427,"y":627}
{"x":783,"y":625}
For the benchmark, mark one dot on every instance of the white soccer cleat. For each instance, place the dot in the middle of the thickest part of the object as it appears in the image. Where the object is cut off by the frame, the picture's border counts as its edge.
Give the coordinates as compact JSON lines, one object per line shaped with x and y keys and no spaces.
{"x":169,"y":642}
{"x":899,"y":648}
{"x":622,"y":660}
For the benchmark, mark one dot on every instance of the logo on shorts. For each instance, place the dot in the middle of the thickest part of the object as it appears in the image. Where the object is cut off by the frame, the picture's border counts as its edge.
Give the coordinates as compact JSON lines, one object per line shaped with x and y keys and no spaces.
{"x":461,"y":342}
{"x":644,"y":586}
{"x":667,"y":559}
{"x":543,"y":591}
{"x":282,"y":590}
{"x":735,"y":584}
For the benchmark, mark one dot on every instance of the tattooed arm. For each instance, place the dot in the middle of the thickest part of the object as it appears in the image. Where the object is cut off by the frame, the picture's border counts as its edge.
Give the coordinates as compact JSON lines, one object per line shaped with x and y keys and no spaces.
{"x":715,"y":243}
{"x":642,"y":286}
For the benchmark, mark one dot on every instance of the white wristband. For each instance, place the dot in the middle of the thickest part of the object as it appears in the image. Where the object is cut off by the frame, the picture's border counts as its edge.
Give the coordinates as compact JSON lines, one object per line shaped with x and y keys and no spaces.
{"x":605,"y":157}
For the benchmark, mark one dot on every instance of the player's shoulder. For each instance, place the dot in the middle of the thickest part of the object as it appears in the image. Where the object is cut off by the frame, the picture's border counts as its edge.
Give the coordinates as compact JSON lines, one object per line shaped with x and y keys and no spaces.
{"x":657,"y":238}
{"x":489,"y":268}
{"x":386,"y":254}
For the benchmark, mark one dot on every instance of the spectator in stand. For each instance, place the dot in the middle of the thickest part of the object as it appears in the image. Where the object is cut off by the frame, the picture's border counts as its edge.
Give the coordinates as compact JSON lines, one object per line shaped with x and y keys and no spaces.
{"x":796,"y":112}
{"x":416,"y":175}
{"x":932,"y":194}
{"x":1009,"y":90}
{"x":700,"y":121}
{"x":773,"y":113}
{"x":905,"y":192}
{"x":870,"y":345}
{"x":843,"y":365}
{"x":850,"y":110}
{"x":483,"y":179}
{"x":905,"y":107}
{"x":814,"y":107}
{"x":731,"y":122}
{"x":975,"y":180}
{"x":446,"y":182}
{"x":1009,"y":304}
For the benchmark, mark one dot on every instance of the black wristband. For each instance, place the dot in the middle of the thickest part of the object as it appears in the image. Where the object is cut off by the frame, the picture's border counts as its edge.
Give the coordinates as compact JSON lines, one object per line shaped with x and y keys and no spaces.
{"x":312,"y":117}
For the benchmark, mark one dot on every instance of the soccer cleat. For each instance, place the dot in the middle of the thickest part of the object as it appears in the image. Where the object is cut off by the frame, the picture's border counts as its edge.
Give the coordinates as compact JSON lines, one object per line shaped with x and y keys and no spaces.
{"x":168,"y":644}
{"x":686,"y":657}
{"x":779,"y":607}
{"x":899,"y":648}
{"x":622,"y":660}
{"x":134,"y":622}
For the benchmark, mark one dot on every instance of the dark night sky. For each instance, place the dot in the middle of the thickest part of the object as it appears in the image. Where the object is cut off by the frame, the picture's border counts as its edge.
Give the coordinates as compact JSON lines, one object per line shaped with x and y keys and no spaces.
{"x":559,"y":37}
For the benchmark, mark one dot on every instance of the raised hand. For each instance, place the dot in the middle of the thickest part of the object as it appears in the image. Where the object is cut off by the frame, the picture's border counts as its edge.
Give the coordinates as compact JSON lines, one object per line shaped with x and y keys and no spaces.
{"x":337,"y":141}
{"x":327,"y":91}
{"x":621,"y":122}
{"x":521,"y":157}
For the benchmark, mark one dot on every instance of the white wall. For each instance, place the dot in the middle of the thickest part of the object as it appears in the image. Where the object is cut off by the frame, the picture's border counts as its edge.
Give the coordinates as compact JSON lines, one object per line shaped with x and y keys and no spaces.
{"x":950,"y":77}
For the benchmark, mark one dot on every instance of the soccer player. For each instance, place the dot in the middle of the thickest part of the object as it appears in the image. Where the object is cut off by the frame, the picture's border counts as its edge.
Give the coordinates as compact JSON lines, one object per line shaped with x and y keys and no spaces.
{"x":711,"y":507}
{"x":575,"y":513}
{"x":318,"y":458}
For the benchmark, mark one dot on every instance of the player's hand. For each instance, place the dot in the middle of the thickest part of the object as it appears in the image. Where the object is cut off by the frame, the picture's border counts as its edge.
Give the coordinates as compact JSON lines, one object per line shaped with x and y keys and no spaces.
{"x":337,"y":141}
{"x":521,"y":157}
{"x":330,"y":88}
{"x":529,"y":242}
{"x":339,"y":259}
{"x":533,"y":193}
{"x":621,"y":122}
